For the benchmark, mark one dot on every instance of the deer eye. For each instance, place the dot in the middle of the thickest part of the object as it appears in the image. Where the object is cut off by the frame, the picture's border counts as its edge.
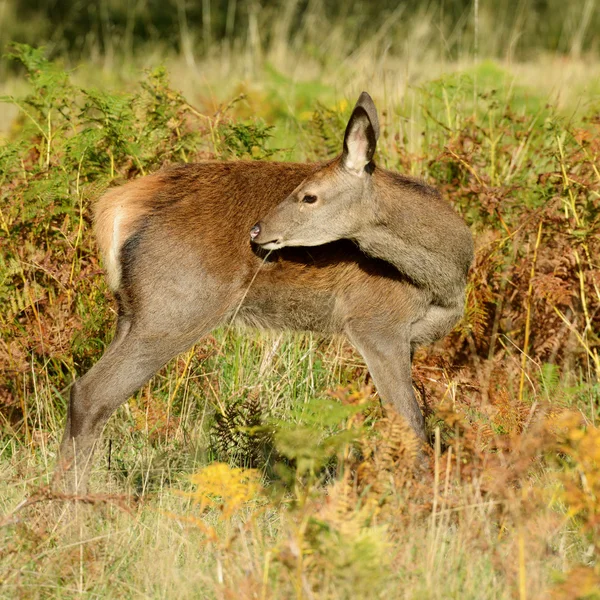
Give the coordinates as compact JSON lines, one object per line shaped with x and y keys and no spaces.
{"x":309,"y":199}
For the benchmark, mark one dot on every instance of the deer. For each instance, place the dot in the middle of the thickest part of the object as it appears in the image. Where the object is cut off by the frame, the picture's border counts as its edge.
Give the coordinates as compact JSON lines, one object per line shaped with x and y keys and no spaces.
{"x":335,"y":247}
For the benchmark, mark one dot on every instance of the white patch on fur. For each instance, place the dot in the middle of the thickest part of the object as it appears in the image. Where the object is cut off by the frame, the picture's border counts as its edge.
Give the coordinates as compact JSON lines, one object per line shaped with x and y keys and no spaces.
{"x":113,"y":264}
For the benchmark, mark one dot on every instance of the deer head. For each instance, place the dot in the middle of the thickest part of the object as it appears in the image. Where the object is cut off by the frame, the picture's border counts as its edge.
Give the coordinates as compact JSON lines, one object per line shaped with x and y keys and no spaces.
{"x":335,"y":201}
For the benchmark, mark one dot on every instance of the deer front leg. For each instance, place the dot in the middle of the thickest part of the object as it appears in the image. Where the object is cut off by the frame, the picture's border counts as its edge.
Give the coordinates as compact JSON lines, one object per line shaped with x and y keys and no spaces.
{"x":386,"y":349}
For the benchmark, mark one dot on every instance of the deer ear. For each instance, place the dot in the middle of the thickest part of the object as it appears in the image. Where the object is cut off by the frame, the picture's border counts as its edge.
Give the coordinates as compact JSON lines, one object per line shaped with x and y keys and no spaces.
{"x":361,"y":135}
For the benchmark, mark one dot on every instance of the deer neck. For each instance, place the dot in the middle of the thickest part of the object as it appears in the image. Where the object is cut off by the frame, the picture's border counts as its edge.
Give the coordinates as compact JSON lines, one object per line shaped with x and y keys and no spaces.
{"x":404,"y":227}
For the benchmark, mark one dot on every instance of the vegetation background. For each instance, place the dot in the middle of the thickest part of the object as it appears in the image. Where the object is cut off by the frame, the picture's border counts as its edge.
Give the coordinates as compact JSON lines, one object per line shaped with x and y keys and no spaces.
{"x":260,"y":465}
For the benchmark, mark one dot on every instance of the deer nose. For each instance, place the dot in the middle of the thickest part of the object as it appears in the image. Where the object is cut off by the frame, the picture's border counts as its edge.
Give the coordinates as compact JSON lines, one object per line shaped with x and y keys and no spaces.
{"x":255,"y":231}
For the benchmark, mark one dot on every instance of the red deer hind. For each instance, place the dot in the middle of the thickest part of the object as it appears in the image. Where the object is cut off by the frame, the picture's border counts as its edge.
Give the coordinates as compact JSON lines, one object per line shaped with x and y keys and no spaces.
{"x":341,"y":247}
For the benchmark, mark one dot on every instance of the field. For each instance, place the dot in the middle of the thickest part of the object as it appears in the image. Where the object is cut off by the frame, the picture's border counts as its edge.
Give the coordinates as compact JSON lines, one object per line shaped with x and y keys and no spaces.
{"x":261,"y":465}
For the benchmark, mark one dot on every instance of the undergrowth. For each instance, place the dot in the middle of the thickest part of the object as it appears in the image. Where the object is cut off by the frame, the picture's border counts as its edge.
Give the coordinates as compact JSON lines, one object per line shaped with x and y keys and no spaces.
{"x":235,"y":473}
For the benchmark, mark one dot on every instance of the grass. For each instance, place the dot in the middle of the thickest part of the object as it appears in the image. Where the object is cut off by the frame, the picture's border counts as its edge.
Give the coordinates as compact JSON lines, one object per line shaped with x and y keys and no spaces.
{"x":260,"y":465}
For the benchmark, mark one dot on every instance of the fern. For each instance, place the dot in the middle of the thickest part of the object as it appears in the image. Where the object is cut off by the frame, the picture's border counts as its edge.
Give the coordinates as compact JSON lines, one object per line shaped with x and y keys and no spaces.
{"x":239,"y":435}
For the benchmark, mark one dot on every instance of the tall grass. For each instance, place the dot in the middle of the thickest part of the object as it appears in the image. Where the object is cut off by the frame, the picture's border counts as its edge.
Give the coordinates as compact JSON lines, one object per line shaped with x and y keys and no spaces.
{"x":242,"y":470}
{"x":324,"y":30}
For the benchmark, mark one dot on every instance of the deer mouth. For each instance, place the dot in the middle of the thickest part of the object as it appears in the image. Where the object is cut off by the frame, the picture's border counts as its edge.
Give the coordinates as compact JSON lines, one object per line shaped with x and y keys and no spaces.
{"x":271,"y":245}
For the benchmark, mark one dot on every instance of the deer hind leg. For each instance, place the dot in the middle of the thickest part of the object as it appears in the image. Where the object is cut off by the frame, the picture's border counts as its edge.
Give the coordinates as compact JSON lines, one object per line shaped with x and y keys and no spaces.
{"x":386,"y":349}
{"x":123,"y":326}
{"x":134,"y":356}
